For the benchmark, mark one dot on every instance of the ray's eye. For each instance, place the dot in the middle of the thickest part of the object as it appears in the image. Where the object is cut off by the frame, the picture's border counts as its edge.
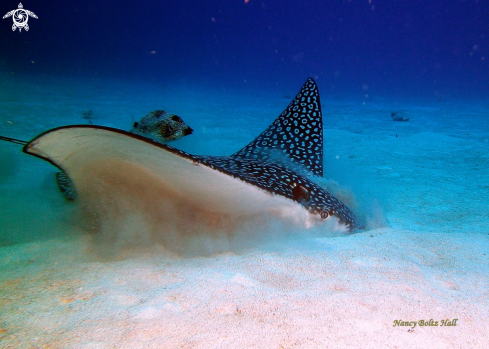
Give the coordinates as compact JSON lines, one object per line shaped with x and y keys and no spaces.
{"x":324,"y":214}
{"x":169,"y":131}
{"x":176,"y":118}
{"x":136,"y":124}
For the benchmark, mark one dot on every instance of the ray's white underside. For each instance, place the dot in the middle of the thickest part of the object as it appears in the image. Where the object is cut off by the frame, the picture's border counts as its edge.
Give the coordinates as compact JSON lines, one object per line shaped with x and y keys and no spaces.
{"x":104,"y":159}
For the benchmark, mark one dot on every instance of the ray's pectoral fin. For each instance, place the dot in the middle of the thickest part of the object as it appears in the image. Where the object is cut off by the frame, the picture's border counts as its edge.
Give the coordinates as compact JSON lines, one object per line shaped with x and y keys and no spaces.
{"x":66,"y":186}
{"x":158,"y":126}
{"x":295,"y":137}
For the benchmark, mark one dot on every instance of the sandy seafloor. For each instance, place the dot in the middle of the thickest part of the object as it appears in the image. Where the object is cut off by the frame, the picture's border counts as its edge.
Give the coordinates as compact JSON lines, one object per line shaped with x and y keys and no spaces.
{"x":422,"y":188}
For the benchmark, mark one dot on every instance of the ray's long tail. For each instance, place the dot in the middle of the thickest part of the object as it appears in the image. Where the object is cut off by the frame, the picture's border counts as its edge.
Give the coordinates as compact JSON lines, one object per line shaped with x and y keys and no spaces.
{"x":13,"y":140}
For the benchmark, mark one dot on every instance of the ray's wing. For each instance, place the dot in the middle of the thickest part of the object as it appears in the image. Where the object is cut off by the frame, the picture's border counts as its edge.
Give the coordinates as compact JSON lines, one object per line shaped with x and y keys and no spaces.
{"x":97,"y":157}
{"x":8,"y":14}
{"x":119,"y":161}
{"x":297,"y":133}
{"x":279,"y":180}
{"x":30,"y":13}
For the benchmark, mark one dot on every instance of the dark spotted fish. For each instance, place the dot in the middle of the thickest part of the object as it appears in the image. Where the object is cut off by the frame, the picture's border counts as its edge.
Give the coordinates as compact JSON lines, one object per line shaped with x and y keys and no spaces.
{"x":162,"y":127}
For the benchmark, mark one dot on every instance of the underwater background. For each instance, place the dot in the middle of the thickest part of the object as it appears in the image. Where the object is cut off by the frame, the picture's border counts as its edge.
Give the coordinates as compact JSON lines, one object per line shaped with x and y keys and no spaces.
{"x":423,"y":49}
{"x":404,"y":90}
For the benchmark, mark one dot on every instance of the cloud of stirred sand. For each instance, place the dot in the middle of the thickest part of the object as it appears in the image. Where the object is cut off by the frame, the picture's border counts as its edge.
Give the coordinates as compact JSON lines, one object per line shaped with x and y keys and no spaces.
{"x":125,"y":211}
{"x":130,"y":213}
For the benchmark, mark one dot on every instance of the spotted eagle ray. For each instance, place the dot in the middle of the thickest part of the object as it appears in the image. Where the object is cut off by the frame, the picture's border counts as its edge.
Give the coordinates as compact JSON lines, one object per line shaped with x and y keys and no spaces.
{"x":270,"y":175}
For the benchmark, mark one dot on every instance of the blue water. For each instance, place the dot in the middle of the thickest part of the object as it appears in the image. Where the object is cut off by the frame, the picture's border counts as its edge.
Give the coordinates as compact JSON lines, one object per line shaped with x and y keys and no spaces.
{"x":229,"y":68}
{"x":435,"y":49}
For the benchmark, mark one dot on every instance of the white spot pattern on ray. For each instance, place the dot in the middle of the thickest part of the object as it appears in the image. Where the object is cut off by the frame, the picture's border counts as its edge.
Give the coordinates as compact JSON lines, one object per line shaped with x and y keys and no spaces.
{"x":297,"y":133}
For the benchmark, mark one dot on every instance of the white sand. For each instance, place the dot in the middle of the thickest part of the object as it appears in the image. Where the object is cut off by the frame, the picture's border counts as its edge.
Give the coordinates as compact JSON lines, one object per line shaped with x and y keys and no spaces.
{"x":424,"y":195}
